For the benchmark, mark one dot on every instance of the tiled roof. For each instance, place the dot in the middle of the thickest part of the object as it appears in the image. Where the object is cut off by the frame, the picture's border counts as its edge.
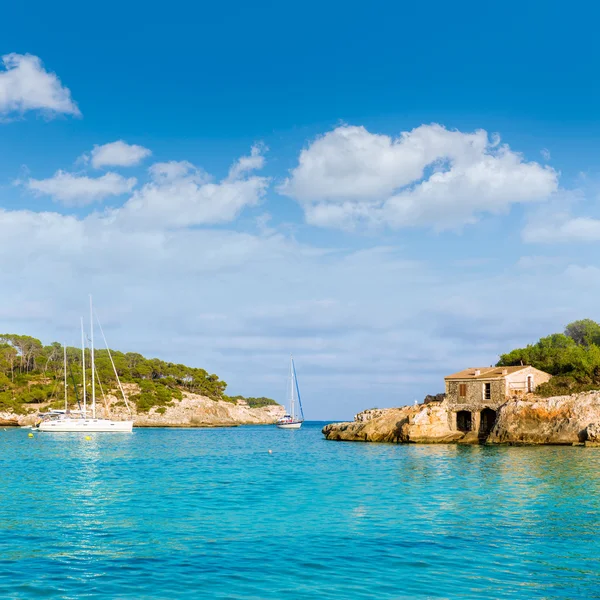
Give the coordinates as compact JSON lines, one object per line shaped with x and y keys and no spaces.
{"x":486,"y":372}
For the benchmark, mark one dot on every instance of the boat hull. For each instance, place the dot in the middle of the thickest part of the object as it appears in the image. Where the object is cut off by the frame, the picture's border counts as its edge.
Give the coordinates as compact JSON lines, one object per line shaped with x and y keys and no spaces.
{"x":295,"y":425}
{"x":85,"y":425}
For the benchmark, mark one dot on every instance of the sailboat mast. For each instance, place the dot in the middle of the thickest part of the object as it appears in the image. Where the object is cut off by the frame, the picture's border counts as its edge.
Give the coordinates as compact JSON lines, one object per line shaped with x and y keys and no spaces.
{"x":93,"y":362}
{"x":292,"y":407}
{"x":83,"y":370}
{"x":65,"y":365}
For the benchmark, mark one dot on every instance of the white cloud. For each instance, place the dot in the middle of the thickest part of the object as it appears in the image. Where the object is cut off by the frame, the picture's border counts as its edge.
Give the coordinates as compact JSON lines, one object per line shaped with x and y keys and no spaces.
{"x":180,"y":195}
{"x":545,"y":154}
{"x":177,"y":195}
{"x":562,"y":228}
{"x":245,"y":164}
{"x":118,"y":154}
{"x":79,"y":190}
{"x":428,"y":176}
{"x":174,"y":170}
{"x":25,"y":85}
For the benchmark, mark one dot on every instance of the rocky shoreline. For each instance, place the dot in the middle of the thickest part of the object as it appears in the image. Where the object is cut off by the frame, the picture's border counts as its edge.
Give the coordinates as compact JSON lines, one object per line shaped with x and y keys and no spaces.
{"x":192,"y":410}
{"x":531,"y":420}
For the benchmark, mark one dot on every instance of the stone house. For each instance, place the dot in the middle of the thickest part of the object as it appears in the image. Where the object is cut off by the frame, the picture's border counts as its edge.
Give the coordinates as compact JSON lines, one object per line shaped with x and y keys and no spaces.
{"x":474,"y":395}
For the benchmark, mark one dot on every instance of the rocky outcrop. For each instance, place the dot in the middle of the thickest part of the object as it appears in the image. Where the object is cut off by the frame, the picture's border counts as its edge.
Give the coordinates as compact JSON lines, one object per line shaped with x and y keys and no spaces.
{"x":369,"y":414}
{"x":198,"y":411}
{"x":593,"y":432}
{"x":560,"y":420}
{"x":192,"y":410}
{"x":388,"y":426}
{"x":435,"y":398}
{"x":420,"y":424}
{"x":430,"y":425}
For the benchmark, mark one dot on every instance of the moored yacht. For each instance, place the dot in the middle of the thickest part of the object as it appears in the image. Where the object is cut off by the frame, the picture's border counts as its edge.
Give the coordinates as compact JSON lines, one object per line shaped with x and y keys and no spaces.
{"x":69,"y":421}
{"x":292,"y":420}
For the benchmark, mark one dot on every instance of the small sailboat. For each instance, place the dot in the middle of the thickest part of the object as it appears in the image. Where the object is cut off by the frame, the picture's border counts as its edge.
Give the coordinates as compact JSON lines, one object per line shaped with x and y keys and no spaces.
{"x":59,"y":421}
{"x":292,"y":420}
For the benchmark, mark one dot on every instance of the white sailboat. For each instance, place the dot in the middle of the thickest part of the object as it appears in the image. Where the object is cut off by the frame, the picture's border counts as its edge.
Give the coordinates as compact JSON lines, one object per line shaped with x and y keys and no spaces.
{"x":292,"y":420}
{"x":67,"y":422}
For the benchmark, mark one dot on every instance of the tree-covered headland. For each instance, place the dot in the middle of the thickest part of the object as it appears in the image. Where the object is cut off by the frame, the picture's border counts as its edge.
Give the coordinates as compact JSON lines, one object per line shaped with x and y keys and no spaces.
{"x":33,"y":374}
{"x":572,"y":357}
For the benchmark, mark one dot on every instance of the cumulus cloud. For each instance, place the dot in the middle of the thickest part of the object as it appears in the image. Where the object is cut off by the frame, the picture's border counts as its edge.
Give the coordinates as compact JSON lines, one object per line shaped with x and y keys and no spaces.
{"x":245,"y":164}
{"x":173,"y":170}
{"x":118,"y":154}
{"x":79,"y":190}
{"x":181,"y":195}
{"x":427,"y":176}
{"x":25,"y":85}
{"x":562,"y":228}
{"x":178,"y":193}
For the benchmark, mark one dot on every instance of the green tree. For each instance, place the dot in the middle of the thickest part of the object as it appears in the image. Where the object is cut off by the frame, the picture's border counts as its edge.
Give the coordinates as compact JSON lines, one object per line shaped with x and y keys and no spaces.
{"x":573,"y":358}
{"x":584,"y":332}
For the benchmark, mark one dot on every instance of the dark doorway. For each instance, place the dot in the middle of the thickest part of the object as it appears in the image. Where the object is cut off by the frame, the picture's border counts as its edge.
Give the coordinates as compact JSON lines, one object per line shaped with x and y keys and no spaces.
{"x":488,"y":418}
{"x":463,"y":420}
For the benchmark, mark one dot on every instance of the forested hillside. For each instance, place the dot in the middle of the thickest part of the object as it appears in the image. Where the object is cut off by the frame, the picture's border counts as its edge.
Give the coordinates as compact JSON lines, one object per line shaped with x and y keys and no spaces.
{"x":33,"y":374}
{"x":573,"y":357}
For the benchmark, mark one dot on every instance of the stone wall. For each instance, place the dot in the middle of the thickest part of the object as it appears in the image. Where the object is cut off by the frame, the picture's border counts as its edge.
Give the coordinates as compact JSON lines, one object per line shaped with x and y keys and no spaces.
{"x":474,"y":400}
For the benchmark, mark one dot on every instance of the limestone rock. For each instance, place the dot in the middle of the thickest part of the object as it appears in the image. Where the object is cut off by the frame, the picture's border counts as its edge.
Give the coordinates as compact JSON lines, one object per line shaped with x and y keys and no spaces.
{"x":389,"y":426}
{"x":8,"y":420}
{"x":593,"y":432}
{"x":420,"y":424}
{"x":367,"y":415}
{"x":436,"y":398}
{"x":557,"y":420}
{"x":569,"y":420}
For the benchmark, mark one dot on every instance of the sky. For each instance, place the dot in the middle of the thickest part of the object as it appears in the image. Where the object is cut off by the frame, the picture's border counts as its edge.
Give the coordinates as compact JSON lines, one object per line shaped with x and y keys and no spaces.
{"x":389,"y":193}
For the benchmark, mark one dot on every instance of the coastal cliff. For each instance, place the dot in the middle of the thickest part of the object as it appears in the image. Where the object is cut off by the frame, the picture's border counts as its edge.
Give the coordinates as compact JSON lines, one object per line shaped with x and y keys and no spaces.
{"x":564,"y":420}
{"x":192,"y":410}
{"x":556,"y":420}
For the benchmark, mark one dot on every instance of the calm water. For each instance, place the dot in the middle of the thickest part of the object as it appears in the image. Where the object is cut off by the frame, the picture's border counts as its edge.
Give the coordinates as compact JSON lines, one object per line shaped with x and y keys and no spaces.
{"x":209,"y":513}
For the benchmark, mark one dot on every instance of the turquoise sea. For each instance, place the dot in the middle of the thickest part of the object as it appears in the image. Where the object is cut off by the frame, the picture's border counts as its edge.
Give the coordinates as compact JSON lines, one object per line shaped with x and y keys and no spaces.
{"x":210,"y":513}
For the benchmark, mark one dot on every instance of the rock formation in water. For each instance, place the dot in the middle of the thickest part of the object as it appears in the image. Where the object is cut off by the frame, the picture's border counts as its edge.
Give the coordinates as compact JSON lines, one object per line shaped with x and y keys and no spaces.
{"x":556,"y":420}
{"x":531,"y":420}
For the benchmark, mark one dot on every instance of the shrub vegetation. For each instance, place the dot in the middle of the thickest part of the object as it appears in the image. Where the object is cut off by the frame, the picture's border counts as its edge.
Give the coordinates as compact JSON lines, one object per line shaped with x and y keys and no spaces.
{"x":572,"y":357}
{"x":32,"y":375}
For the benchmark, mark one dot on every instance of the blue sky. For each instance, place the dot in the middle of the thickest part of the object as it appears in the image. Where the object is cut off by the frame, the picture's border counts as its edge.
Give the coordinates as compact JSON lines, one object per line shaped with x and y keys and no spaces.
{"x":392,"y":193}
